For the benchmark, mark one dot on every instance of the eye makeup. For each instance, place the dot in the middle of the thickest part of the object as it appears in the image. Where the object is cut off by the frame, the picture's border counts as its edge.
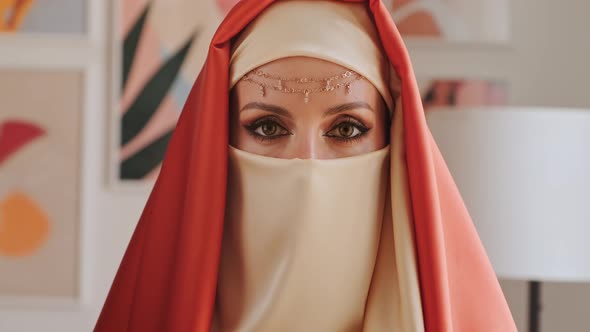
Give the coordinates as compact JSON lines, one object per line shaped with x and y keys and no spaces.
{"x":347,"y":129}
{"x":267,"y":128}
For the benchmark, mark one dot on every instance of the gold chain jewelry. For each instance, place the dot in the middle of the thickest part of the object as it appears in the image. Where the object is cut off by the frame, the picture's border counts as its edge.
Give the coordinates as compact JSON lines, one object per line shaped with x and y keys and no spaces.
{"x":326,"y":83}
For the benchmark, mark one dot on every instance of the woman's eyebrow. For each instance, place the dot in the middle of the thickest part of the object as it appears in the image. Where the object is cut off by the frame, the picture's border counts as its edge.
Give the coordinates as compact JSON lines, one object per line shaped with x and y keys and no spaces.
{"x":347,"y":107}
{"x":267,"y":107}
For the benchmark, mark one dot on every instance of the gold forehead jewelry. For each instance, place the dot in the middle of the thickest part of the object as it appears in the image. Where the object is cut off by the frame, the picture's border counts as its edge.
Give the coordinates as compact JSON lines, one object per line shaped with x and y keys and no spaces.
{"x":326,"y":84}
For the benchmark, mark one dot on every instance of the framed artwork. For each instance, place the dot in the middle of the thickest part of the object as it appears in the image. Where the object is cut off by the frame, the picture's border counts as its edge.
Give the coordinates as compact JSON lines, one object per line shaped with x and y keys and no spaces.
{"x":40,"y":144}
{"x":456,"y":93}
{"x":465,"y":21}
{"x":159,"y":48}
{"x":43,"y":16}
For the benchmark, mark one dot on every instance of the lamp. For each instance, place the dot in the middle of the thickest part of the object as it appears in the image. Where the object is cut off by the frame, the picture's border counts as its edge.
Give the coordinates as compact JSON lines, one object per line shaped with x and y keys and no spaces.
{"x":524,"y":174}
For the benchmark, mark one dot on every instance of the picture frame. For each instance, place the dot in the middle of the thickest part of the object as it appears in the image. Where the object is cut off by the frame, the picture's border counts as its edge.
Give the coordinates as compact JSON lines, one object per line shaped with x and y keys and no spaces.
{"x":146,"y":99}
{"x":44,"y":18}
{"x":42,"y":264}
{"x":456,"y":92}
{"x":51,"y":51}
{"x":452,"y":22}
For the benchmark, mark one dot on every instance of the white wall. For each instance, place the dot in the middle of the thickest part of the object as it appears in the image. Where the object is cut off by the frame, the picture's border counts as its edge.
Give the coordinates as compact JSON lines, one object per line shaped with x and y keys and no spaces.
{"x":545,"y":64}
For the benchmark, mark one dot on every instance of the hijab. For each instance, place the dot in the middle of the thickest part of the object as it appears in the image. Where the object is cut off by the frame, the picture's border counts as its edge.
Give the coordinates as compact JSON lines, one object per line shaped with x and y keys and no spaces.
{"x":302,"y":237}
{"x":168,"y":278}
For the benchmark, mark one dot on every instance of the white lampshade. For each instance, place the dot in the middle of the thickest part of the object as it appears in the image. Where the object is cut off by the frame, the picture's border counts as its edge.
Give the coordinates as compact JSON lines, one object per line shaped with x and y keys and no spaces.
{"x":524,"y":174}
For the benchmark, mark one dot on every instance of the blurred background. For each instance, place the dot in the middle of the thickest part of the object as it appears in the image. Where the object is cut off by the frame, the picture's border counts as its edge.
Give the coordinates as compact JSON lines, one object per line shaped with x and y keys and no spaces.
{"x":90,"y":91}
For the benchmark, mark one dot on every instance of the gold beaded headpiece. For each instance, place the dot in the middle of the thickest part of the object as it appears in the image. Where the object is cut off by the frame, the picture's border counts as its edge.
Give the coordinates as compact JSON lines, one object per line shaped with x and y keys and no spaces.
{"x":301,"y":85}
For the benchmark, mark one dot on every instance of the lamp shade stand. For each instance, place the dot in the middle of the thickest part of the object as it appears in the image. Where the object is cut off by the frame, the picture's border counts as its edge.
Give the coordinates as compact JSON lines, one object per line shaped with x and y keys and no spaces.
{"x":535,"y":306}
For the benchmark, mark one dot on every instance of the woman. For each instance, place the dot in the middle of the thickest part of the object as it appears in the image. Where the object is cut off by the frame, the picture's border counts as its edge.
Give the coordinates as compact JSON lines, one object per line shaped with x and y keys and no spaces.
{"x":340,"y":214}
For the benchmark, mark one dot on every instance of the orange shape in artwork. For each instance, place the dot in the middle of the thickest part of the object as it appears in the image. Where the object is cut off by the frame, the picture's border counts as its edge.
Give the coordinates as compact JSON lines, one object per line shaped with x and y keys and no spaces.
{"x":420,"y":23}
{"x":12,"y":13}
{"x":15,"y":135}
{"x":24,"y":226}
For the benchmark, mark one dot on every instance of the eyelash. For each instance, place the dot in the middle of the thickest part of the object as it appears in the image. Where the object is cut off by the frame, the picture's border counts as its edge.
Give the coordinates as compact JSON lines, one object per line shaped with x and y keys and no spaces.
{"x":350,"y":121}
{"x":251,"y":129}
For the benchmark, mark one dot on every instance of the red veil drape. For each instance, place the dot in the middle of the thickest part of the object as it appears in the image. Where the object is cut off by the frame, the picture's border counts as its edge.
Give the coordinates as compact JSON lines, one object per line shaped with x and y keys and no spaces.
{"x":167,"y":279}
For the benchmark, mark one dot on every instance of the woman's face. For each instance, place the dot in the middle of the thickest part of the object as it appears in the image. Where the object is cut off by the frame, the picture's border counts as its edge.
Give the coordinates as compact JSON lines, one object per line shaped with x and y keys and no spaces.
{"x":332,"y":124}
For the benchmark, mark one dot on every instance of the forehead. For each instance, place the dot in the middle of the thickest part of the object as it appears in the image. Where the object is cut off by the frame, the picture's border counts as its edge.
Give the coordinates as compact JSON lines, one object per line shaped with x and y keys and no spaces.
{"x":305,"y":67}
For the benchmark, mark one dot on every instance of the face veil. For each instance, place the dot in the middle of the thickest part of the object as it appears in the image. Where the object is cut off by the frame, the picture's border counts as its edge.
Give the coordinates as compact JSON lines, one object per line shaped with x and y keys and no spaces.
{"x":300,"y":242}
{"x":168,"y":277}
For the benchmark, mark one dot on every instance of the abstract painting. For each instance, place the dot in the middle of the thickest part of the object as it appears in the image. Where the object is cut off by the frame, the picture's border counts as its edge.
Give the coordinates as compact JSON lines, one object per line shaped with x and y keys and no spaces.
{"x":162,"y":45}
{"x":456,"y":93}
{"x":43,"y":16}
{"x":39,"y":173}
{"x":478,"y":21}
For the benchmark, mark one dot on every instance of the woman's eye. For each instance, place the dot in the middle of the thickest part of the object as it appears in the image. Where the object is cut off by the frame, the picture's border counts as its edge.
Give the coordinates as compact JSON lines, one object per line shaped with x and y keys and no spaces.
{"x":268,"y":128}
{"x":346,"y":130}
